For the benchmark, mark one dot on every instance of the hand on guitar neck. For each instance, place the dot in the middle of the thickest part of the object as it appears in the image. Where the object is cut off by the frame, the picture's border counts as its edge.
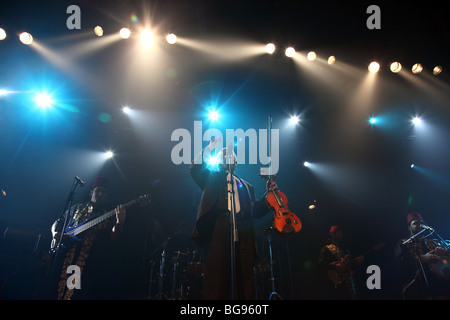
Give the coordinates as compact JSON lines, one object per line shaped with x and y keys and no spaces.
{"x":119,"y":213}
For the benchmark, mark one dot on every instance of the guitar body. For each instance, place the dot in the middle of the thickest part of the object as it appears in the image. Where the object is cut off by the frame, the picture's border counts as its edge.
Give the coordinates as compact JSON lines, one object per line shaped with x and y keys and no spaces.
{"x":337,"y":277}
{"x":285,"y":222}
{"x":66,"y":243}
{"x":71,"y":236}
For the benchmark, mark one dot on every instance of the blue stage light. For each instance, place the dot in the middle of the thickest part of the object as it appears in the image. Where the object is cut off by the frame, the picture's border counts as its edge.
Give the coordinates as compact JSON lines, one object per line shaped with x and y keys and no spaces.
{"x":213,"y":163}
{"x":43,"y":100}
{"x":213,"y":115}
{"x":373,"y":120}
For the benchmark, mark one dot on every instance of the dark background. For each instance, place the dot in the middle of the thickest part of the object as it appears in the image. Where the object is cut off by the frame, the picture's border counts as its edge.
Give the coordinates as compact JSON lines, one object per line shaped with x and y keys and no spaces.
{"x":366,"y":184}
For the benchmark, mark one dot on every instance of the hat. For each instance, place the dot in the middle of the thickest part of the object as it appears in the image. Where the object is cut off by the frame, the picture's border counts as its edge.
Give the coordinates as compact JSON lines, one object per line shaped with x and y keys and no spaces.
{"x":334,"y":229}
{"x":414,"y":216}
{"x":100,"y":182}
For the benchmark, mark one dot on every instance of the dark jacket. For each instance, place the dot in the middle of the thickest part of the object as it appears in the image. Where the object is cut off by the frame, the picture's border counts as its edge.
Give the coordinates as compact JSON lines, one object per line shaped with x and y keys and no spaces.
{"x":215,"y":199}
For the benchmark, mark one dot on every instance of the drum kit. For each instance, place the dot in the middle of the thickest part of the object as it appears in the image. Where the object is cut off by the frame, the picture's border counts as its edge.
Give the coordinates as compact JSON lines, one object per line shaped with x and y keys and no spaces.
{"x":176,"y":275}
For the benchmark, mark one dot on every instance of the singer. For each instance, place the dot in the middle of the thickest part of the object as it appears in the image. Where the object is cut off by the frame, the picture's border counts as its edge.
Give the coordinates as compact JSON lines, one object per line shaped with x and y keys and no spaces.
{"x":424,"y":262}
{"x":90,"y":252}
{"x":212,"y":228}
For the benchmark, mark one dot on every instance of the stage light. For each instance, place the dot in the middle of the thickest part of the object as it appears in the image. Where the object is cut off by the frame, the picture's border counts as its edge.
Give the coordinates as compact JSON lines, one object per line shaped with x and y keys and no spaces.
{"x":373,"y":120}
{"x":126,"y":110}
{"x":417,"y":68}
{"x":109,"y":154}
{"x":125,"y":33}
{"x":412,"y":166}
{"x":311,"y":56}
{"x":374,"y":67}
{"x":98,"y":31}
{"x":270,"y":48}
{"x":396,"y":67}
{"x":417,"y":121}
{"x":437,"y":70}
{"x":147,"y":38}
{"x":43,"y":100}
{"x":213,"y":115}
{"x":2,"y":34}
{"x":306,"y":164}
{"x":171,"y":38}
{"x":26,"y":38}
{"x":331,"y":60}
{"x":290,"y":52}
{"x":294,"y":120}
{"x":3,"y":92}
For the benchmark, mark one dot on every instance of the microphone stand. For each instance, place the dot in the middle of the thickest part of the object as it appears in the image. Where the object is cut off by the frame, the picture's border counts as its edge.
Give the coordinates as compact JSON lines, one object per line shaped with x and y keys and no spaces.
{"x":273,"y":295}
{"x":69,"y":202}
{"x":413,"y":239}
{"x":233,"y":226}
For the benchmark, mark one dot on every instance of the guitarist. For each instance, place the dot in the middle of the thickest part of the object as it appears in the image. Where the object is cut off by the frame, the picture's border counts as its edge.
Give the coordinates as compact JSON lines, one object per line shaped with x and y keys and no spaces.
{"x":339,"y":265}
{"x":415,"y":259}
{"x":91,"y":248}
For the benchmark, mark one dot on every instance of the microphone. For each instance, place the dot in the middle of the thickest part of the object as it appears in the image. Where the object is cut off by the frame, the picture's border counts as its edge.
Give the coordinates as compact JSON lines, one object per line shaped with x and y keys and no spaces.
{"x":423,"y":226}
{"x":81,"y":182}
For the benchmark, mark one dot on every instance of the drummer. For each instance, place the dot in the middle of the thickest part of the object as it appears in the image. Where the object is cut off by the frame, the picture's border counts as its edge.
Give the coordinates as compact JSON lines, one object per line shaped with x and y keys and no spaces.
{"x":424,"y":262}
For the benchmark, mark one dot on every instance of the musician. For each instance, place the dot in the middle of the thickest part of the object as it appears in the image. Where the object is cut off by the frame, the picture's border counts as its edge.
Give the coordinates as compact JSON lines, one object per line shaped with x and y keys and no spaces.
{"x":212,"y":228}
{"x":89,"y":253}
{"x":416,"y":259}
{"x":336,"y":260}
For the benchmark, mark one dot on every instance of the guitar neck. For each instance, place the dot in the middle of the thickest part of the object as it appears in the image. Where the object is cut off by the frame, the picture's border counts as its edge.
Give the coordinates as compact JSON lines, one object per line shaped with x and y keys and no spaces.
{"x":94,"y":222}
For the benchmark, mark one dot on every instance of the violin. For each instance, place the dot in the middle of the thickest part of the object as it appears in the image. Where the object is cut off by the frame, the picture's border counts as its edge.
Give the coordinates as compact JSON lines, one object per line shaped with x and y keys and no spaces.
{"x":285,"y":222}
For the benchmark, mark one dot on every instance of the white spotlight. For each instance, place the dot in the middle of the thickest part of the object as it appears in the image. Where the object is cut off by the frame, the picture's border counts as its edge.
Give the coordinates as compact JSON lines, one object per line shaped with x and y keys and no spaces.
{"x":396,"y":67}
{"x":294,"y":120}
{"x":374,"y":67}
{"x":417,"y":121}
{"x":125,"y":33}
{"x":331,"y":60}
{"x":2,"y":34}
{"x":126,"y":109}
{"x":171,"y":38}
{"x":437,"y":70}
{"x":147,"y":38}
{"x":109,"y":154}
{"x":306,"y":164}
{"x":311,"y":56}
{"x":270,"y":48}
{"x":98,"y":31}
{"x":417,"y":68}
{"x":290,"y":52}
{"x":26,"y":38}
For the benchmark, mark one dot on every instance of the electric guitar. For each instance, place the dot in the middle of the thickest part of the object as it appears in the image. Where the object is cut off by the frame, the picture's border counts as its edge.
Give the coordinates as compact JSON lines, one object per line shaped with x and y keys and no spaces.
{"x":350,"y":263}
{"x":71,"y":234}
